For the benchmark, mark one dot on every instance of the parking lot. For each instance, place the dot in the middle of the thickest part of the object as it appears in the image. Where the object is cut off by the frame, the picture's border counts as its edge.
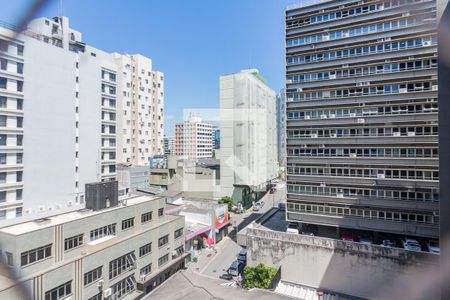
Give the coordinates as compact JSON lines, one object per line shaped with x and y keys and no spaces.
{"x":277,"y":222}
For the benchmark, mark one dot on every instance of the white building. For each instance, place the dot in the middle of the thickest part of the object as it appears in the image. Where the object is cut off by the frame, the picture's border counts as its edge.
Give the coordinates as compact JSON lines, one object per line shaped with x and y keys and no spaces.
{"x":169,"y":145}
{"x":193,"y":138}
{"x":62,"y":108}
{"x":248,"y":150}
{"x":141,"y":101}
{"x":120,"y":252}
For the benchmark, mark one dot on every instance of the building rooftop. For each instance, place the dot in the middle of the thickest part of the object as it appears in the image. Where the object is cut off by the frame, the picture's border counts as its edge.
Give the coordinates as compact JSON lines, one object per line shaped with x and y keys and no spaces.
{"x":50,"y":221}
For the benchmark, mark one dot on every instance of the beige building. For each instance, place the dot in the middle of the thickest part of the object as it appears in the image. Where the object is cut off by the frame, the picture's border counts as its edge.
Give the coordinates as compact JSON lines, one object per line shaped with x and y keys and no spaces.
{"x":121,"y":252}
{"x":193,"y":138}
{"x":141,"y":108}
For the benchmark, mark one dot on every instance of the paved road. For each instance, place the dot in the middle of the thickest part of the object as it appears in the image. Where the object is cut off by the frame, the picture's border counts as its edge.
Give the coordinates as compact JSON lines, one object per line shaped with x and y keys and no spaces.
{"x":222,"y":260}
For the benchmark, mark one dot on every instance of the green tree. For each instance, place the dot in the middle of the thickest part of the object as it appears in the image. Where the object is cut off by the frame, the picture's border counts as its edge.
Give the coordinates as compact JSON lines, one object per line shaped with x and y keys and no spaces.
{"x":227,"y":200}
{"x":259,"y":277}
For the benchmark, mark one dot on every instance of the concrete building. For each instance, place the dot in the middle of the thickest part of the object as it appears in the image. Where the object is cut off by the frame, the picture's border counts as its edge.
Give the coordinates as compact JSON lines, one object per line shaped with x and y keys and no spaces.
{"x":169,"y":145}
{"x":141,"y":103}
{"x":120,"y":252}
{"x":193,"y":138}
{"x":132,"y":177}
{"x":108,"y":102}
{"x":362,"y":116}
{"x":248,"y":154}
{"x":281,"y":128}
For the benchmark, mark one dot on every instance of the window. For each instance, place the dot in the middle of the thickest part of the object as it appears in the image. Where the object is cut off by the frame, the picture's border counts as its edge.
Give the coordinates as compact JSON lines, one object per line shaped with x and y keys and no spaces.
{"x":124,"y":287}
{"x":19,"y":194}
{"x":3,"y":64}
{"x":19,"y":86}
{"x":146,"y":270}
{"x":20,"y":68}
{"x":163,"y":260}
{"x":2,"y":139}
{"x":2,"y":214}
{"x":2,"y":158}
{"x":19,"y":175}
{"x":3,"y":177}
{"x":160,"y":212}
{"x":178,"y":233}
{"x":19,"y":158}
{"x":2,"y":83}
{"x":146,"y":217}
{"x":9,"y":259}
{"x":122,"y":264}
{"x":146,"y":249}
{"x":59,"y":292}
{"x":2,"y":196}
{"x":2,"y":121}
{"x":36,"y":254}
{"x":128,"y":223}
{"x":3,"y":102}
{"x":163,"y":240}
{"x":179,"y":251}
{"x":103,"y":231}
{"x":73,"y":242}
{"x":99,"y":296}
{"x":93,"y":275}
{"x":19,"y":211}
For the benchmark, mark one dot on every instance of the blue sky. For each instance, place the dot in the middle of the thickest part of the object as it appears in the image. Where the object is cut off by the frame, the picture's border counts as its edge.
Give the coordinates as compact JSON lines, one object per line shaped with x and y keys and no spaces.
{"x":192,"y":42}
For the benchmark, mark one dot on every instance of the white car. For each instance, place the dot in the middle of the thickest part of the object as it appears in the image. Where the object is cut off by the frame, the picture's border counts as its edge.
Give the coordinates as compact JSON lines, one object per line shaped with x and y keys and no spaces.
{"x":411,"y":244}
{"x":433,"y":247}
{"x":260,"y":203}
{"x":292,"y":228}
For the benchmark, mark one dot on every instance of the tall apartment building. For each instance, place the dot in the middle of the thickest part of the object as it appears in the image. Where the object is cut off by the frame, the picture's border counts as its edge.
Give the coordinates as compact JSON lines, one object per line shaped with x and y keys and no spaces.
{"x":193,"y":138}
{"x":169,"y":145}
{"x":362,"y":115}
{"x":281,"y":127}
{"x":248,"y":153}
{"x":141,"y":102}
{"x":120,"y":252}
{"x":216,"y":138}
{"x":74,"y":97}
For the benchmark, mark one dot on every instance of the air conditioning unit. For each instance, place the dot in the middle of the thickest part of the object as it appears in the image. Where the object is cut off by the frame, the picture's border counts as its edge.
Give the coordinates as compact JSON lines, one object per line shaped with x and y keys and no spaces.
{"x":346,"y":34}
{"x":411,"y":134}
{"x":426,"y":43}
{"x":345,"y":66}
{"x":41,"y":208}
{"x":403,"y":90}
{"x":332,"y":116}
{"x":142,"y":278}
{"x":434,"y":87}
{"x":307,"y":117}
{"x":333,"y":76}
{"x":69,"y":203}
{"x":323,"y":116}
{"x":333,"y":135}
{"x":380,"y":176}
{"x":107,"y":293}
{"x":314,"y":136}
{"x":352,"y":114}
{"x":100,"y":283}
{"x":360,"y":121}
{"x":340,"y":195}
{"x":396,"y":134}
{"x":406,"y":14}
{"x":353,"y":155}
{"x":299,"y":90}
{"x":326,"y":38}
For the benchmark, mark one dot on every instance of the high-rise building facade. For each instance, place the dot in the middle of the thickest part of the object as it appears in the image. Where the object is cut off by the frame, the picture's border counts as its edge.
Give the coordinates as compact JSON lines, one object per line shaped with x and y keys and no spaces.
{"x":281,"y":127}
{"x":141,"y":102}
{"x":193,"y":138}
{"x":362,"y":116}
{"x":216,"y":138}
{"x":248,"y":150}
{"x":169,"y":145}
{"x":76,"y":99}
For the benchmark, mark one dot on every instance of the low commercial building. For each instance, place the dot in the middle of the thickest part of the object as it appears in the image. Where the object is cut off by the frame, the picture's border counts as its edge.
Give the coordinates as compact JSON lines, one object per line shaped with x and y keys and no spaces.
{"x":121,"y":252}
{"x":206,"y":221}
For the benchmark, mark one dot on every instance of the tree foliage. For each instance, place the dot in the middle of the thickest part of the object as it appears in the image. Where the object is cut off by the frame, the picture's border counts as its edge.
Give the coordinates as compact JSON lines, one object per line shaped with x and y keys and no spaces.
{"x":227,"y":200}
{"x":259,"y":277}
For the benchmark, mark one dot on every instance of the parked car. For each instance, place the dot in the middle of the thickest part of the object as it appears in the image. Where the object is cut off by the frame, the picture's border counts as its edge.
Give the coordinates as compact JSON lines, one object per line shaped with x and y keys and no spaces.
{"x":292,"y":228}
{"x":235,"y":268}
{"x":433,"y":246}
{"x":307,"y":233}
{"x":272,"y":190}
{"x":255,"y":207}
{"x":260,"y":203}
{"x":411,"y":244}
{"x":387,"y":243}
{"x":365,"y":240}
{"x":242,"y":256}
{"x":347,"y":238}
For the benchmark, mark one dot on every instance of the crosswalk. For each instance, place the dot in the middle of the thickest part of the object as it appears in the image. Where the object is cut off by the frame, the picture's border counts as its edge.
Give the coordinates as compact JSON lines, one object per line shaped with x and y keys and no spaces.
{"x":302,"y":292}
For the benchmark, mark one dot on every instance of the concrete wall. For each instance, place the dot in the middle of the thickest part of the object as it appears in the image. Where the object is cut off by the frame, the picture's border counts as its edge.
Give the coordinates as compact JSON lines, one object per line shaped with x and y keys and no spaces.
{"x":372,"y":272}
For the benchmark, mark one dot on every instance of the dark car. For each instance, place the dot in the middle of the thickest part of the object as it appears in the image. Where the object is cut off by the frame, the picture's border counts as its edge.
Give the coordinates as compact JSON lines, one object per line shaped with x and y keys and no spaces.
{"x":242,"y":256}
{"x":226,"y":276}
{"x":235,"y":268}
